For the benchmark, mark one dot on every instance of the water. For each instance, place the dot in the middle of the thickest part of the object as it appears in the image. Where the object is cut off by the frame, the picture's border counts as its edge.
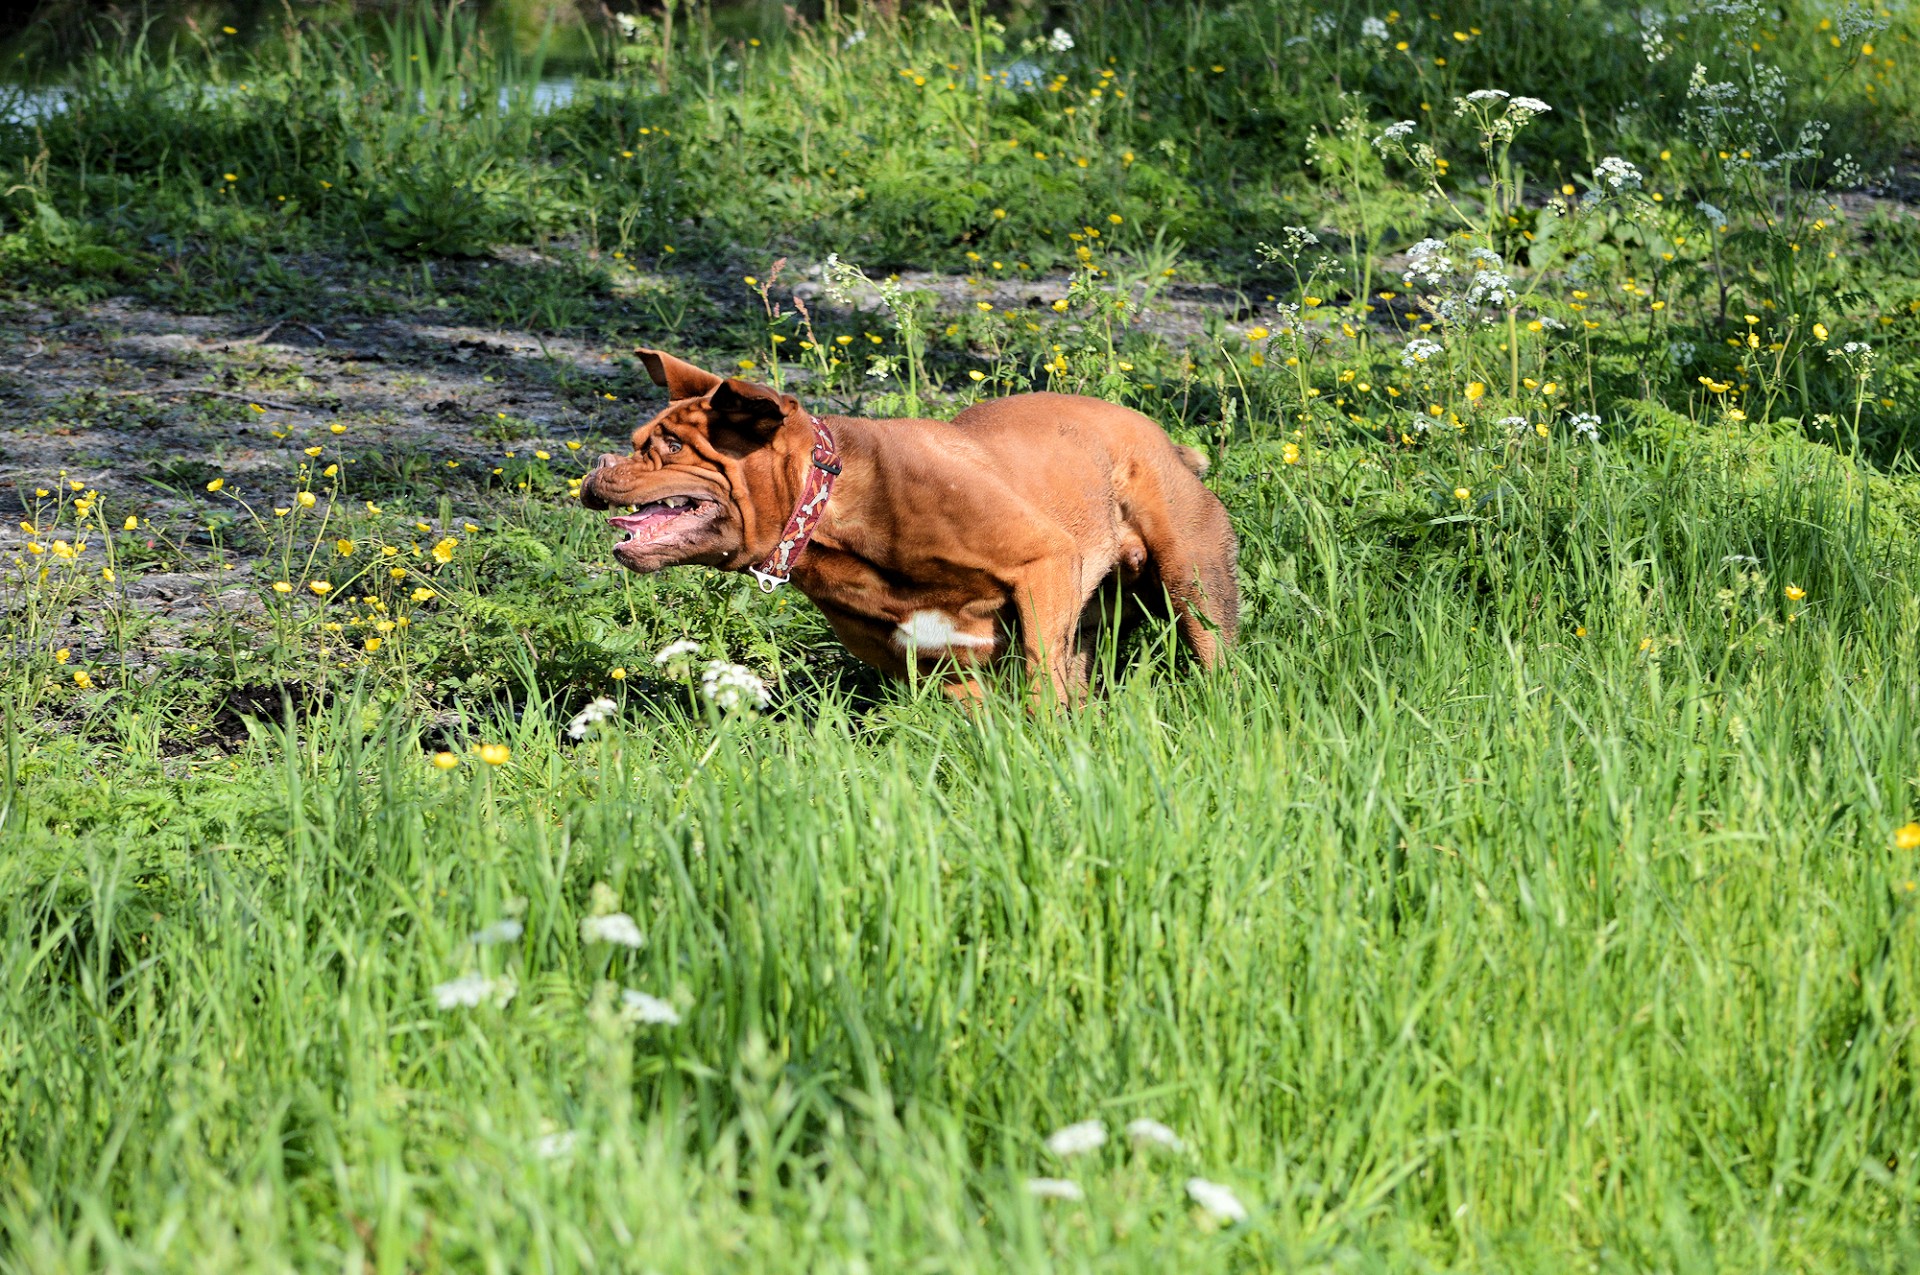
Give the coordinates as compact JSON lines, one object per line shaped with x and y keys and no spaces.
{"x":20,"y":105}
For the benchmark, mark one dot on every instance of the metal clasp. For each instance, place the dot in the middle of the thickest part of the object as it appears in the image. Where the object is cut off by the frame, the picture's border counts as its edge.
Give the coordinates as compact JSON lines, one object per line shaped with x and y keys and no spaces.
{"x":767,"y":580}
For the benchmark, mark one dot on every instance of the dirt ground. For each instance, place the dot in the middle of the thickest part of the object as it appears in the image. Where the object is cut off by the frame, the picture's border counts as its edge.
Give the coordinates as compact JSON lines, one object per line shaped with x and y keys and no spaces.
{"x":146,"y":405}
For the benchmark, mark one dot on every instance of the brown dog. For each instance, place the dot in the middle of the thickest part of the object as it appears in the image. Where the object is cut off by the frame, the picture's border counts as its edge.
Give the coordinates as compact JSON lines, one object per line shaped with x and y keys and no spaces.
{"x":1027,"y":521}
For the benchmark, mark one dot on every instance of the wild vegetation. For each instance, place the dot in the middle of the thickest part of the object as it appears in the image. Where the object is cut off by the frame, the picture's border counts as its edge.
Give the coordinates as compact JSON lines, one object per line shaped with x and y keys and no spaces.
{"x":1537,"y":890}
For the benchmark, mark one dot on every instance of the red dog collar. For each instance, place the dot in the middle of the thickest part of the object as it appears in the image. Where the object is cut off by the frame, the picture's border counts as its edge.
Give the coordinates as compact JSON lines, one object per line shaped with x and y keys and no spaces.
{"x":777,"y":567}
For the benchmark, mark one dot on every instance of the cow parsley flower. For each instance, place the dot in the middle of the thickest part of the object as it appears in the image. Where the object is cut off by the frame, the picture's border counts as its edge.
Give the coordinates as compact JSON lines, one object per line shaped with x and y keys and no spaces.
{"x":1428,"y":264}
{"x":1054,"y":1189}
{"x":1528,"y":106}
{"x":1060,"y":41}
{"x":1617,"y":173}
{"x":1395,"y":134}
{"x":1373,"y":29}
{"x":1516,"y":423}
{"x":1217,"y":1200}
{"x":499,"y":932}
{"x":1490,"y":287}
{"x":1585,"y":424}
{"x":1151,"y":1133}
{"x":1419,"y":350}
{"x":616,"y":928}
{"x":470,"y":991}
{"x":858,"y":36}
{"x":554,"y":1145}
{"x":731,"y":686}
{"x":1077,"y":1139}
{"x":590,"y":716}
{"x":638,"y":1007}
{"x":676,"y":650}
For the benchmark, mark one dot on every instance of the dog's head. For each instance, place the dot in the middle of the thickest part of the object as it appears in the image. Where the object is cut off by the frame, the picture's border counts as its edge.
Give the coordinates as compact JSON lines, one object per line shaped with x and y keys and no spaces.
{"x":711,"y":480}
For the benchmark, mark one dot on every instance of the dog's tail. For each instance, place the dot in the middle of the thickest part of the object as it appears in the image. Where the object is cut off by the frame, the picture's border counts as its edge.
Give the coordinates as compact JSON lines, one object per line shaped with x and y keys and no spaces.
{"x":1193,"y":458}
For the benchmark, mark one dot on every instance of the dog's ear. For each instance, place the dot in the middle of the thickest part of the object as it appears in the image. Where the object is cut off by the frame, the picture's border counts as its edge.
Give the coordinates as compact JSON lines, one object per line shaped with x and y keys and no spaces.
{"x":750,"y":407}
{"x":679,"y":378}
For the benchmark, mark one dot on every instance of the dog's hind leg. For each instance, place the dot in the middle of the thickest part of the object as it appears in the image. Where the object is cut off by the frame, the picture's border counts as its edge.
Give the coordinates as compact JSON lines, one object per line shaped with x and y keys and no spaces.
{"x":1192,"y":547}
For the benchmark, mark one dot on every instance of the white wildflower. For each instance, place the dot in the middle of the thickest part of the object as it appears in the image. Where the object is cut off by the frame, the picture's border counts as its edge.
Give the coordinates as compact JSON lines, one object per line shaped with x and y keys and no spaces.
{"x":470,"y":991}
{"x":1552,"y":324}
{"x":730,"y":686}
{"x":858,"y":36}
{"x":590,"y":716}
{"x":1519,"y":424}
{"x":1060,"y":41}
{"x":1076,"y":1139}
{"x":1373,"y":29}
{"x":638,"y":1007}
{"x":1054,"y":1189}
{"x":676,"y":651}
{"x":499,"y":932}
{"x":1585,"y":424}
{"x":1490,"y":286}
{"x":1529,"y":106}
{"x":1428,"y":264}
{"x":1484,"y":96}
{"x":1617,"y":173}
{"x":554,"y":1145}
{"x":615,"y":927}
{"x":1217,"y":1200}
{"x":1394,"y":134}
{"x":1419,"y":350}
{"x":1151,"y":1133}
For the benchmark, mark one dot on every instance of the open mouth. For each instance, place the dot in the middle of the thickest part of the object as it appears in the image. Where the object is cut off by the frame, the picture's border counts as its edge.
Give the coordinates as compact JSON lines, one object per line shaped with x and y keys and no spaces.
{"x":657,"y":520}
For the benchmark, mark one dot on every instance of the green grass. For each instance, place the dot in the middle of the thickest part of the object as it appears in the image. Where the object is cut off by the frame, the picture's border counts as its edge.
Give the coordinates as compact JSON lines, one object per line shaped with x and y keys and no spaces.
{"x":1443,"y":936}
{"x":1531,"y":892}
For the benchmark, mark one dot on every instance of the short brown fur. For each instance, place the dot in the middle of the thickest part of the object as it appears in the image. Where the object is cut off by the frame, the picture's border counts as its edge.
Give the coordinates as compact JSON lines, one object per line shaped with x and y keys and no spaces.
{"x":1024,"y":523}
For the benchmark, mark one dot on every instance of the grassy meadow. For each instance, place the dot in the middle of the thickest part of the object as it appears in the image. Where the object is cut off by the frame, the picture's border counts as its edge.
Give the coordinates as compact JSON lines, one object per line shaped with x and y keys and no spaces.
{"x":388,"y":882}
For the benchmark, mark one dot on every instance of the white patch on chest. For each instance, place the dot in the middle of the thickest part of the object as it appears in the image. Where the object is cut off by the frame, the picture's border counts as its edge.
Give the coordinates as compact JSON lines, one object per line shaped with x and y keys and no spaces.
{"x":933,"y":631}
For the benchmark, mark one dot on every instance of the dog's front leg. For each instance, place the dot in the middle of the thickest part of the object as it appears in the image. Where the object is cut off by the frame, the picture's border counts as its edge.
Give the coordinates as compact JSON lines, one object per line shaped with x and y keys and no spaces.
{"x":1047,"y":599}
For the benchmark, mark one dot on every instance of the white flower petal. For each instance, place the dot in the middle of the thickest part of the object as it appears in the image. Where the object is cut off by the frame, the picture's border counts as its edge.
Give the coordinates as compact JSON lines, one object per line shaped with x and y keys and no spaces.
{"x":1077,"y":1139}
{"x":638,"y":1007}
{"x":1145,"y":1132}
{"x":499,"y":932}
{"x":1055,"y":1189}
{"x":616,"y":927}
{"x":1218,"y":1200}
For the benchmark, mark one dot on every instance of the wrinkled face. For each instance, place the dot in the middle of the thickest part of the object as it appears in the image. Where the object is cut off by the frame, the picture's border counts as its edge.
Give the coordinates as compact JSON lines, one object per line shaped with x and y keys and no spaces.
{"x":702,"y":477}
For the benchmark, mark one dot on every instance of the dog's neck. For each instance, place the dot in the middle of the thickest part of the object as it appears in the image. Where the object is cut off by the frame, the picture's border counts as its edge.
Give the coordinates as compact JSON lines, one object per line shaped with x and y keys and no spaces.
{"x":814,"y":488}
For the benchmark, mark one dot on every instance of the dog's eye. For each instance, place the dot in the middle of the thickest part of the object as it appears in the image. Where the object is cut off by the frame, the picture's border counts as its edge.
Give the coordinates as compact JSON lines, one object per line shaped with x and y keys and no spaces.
{"x":673,"y":444}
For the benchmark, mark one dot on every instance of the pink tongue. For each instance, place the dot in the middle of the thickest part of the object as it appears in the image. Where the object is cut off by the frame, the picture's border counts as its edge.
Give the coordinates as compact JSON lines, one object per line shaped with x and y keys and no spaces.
{"x":639,"y":523}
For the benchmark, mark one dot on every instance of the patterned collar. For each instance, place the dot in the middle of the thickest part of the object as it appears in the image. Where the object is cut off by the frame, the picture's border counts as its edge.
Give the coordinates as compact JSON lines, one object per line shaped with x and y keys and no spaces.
{"x":777,"y":567}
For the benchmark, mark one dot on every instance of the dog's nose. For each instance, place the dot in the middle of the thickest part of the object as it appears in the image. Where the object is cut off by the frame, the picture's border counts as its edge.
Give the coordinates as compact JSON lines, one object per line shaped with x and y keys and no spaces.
{"x":607,"y":460}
